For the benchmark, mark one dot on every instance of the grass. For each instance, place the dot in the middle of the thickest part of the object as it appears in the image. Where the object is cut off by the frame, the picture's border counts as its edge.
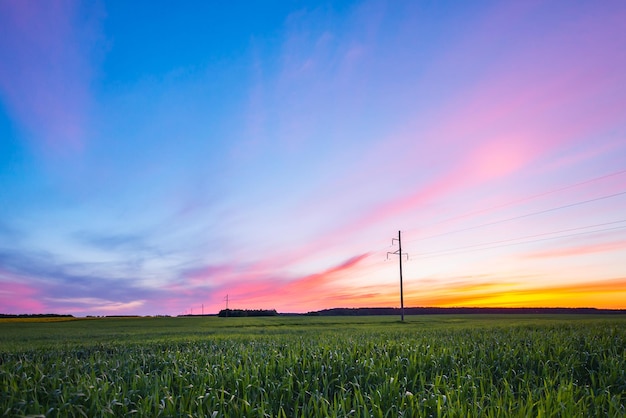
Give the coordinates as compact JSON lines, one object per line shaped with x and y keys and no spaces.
{"x":456,"y":366}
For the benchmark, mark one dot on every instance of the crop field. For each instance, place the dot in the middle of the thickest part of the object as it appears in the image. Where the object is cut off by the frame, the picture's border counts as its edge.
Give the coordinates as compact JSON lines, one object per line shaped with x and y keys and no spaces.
{"x":452,"y":366}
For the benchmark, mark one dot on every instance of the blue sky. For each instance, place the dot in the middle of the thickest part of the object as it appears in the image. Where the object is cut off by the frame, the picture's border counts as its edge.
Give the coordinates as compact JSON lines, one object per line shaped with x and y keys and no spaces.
{"x":154,"y":159}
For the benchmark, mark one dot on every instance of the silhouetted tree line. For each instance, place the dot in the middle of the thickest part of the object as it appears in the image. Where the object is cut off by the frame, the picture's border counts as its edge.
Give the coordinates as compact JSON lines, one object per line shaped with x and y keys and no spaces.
{"x":246,"y":312}
{"x":438,"y":311}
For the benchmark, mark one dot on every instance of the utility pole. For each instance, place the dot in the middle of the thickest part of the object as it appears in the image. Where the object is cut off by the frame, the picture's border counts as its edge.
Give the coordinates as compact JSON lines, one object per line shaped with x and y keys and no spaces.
{"x":203,"y":309}
{"x":400,"y":254}
{"x":226,"y":299}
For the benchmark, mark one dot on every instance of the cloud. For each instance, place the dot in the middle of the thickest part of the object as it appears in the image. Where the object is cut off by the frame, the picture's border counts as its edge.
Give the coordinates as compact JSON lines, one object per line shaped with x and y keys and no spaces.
{"x":45,"y":285}
{"x":111,"y":241}
{"x":579,"y":250}
{"x":314,"y":282}
{"x":19,"y":296}
{"x":92,"y":304}
{"x":262,"y":288}
{"x":46,"y":86}
{"x":134,"y":248}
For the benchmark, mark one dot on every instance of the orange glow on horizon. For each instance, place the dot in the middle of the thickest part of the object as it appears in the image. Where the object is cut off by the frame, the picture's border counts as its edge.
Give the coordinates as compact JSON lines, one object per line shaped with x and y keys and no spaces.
{"x":604,"y":294}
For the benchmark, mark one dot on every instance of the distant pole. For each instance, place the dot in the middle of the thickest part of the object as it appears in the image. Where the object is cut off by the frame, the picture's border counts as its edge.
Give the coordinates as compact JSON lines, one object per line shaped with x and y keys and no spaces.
{"x":400,"y":254}
{"x":203,"y":309}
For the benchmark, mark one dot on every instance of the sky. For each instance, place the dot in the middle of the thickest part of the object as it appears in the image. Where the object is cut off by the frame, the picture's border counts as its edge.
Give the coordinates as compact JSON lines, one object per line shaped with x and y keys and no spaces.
{"x":158,"y":159}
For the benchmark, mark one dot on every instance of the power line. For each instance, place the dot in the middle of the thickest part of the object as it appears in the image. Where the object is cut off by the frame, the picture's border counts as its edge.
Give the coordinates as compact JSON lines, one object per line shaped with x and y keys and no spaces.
{"x":534,"y":235}
{"x":532,"y":197}
{"x":524,"y":199}
{"x":460,"y":250}
{"x":526,"y":215}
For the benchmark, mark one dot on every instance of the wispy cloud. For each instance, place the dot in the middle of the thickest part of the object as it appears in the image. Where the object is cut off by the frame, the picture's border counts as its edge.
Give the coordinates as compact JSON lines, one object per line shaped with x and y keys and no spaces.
{"x":46,"y":86}
{"x":580,"y":250}
{"x":17,"y":295}
{"x":37,"y":281}
{"x":264,"y":289}
{"x":85,"y":304}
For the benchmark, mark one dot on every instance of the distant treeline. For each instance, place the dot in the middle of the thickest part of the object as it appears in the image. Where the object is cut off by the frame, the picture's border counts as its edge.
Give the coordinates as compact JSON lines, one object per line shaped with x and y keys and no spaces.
{"x":437,"y":311}
{"x":35,"y":316}
{"x":246,"y":312}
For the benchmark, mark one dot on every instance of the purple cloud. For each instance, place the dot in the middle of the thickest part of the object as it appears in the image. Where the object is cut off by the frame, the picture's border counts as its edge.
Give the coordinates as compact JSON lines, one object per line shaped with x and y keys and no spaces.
{"x":45,"y":83}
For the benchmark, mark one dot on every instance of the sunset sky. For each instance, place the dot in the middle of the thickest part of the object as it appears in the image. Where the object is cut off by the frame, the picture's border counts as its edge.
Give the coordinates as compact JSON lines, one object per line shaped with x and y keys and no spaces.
{"x":157,"y":157}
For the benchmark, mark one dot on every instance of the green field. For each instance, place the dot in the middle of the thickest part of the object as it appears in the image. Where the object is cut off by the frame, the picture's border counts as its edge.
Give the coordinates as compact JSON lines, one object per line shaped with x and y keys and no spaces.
{"x":457,"y":366}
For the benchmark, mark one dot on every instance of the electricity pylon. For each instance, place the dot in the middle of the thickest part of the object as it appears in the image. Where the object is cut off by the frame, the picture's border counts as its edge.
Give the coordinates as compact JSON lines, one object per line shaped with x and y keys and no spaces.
{"x":400,"y":254}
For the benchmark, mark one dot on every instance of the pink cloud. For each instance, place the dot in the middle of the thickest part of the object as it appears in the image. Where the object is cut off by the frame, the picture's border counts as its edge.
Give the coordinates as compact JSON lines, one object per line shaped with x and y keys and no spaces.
{"x":46,"y":86}
{"x":485,"y":162}
{"x":17,"y":297}
{"x":206,"y":275}
{"x":504,"y":129}
{"x":502,"y":126}
{"x":580,"y":250}
{"x":315,"y":281}
{"x":260,"y":289}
